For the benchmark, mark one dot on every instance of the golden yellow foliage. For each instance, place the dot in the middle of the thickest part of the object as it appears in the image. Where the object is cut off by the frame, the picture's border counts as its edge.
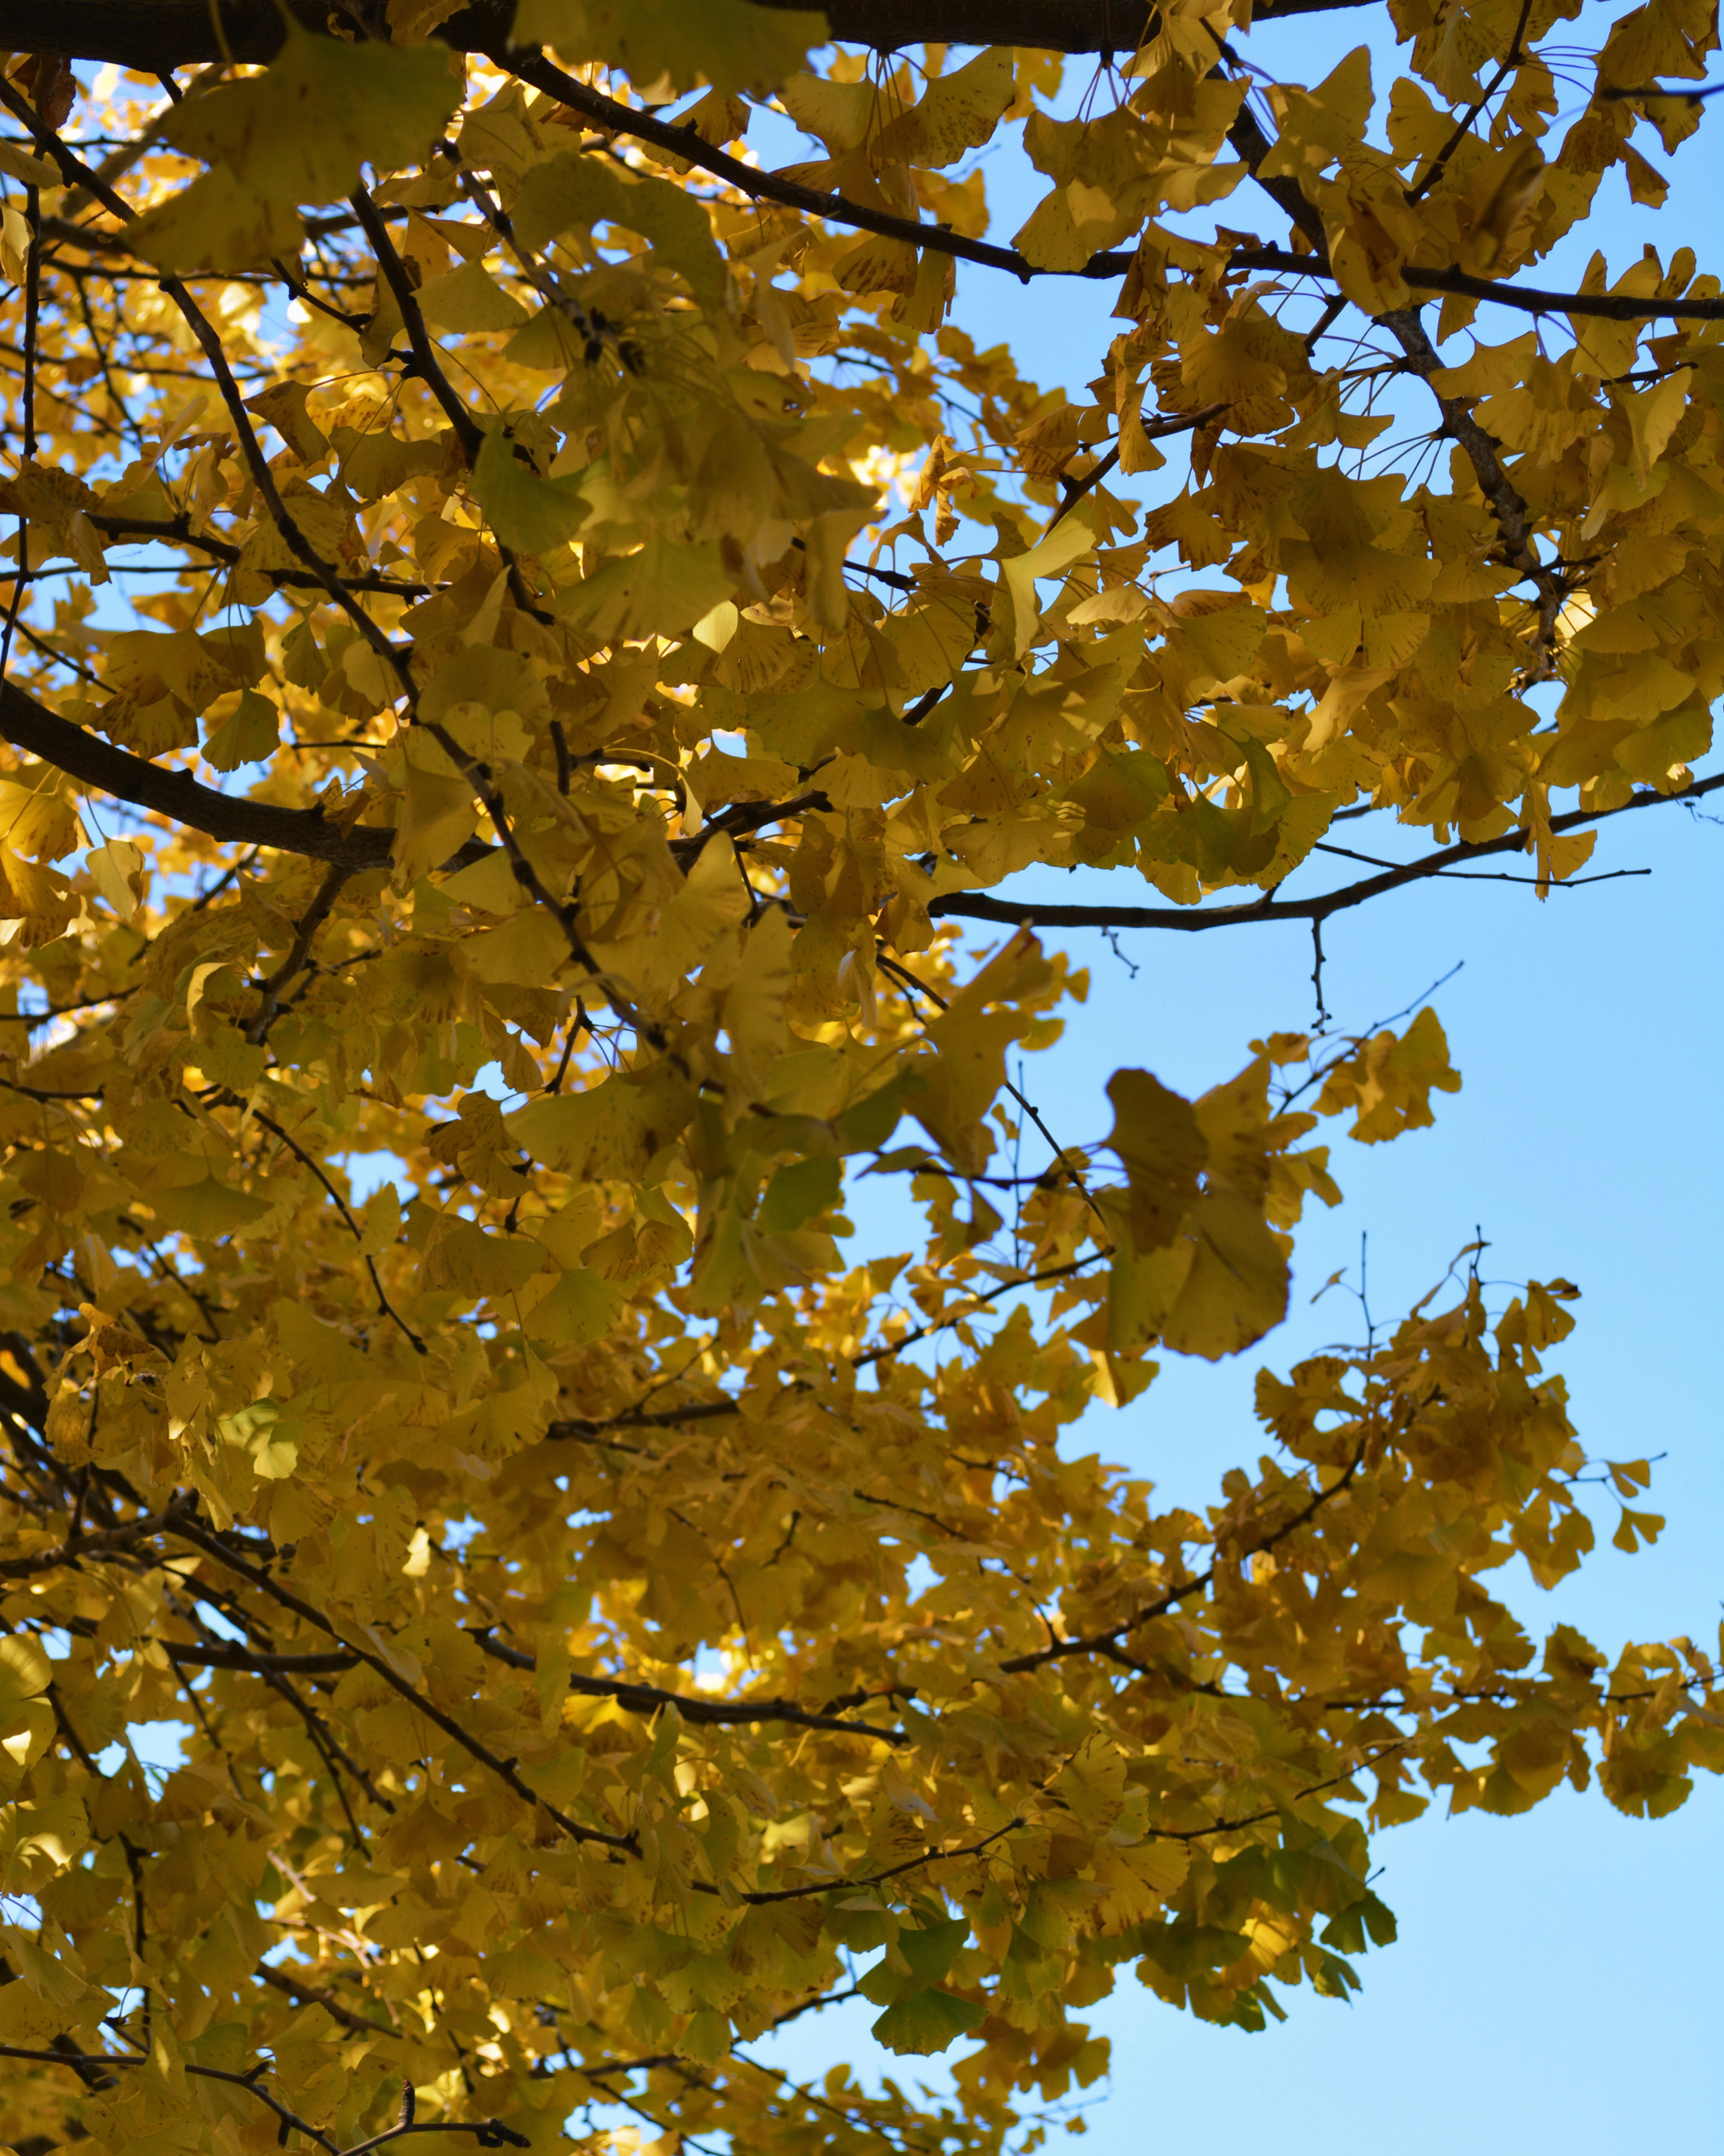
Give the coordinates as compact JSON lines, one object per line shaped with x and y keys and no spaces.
{"x":602,"y":1606}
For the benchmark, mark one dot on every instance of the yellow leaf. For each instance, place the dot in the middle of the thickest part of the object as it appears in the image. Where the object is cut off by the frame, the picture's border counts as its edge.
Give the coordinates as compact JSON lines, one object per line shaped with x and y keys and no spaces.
{"x":482,"y":1265}
{"x":528,"y":949}
{"x":467,"y":299}
{"x":439,"y":813}
{"x":208,"y":1208}
{"x":1237,"y":1287}
{"x":955,"y":112}
{"x":1389,"y":1080}
{"x":117,"y":870}
{"x":249,"y":735}
{"x":14,"y":244}
{"x":284,"y":406}
{"x":1157,"y":1134}
{"x":1052,"y":556}
{"x":730,"y":43}
{"x":662,"y":589}
{"x":615,"y":1128}
{"x":579,"y":189}
{"x":531,"y":515}
{"x":274,"y":1456}
{"x":28,"y":2019}
{"x":217,"y":223}
{"x":24,"y":1672}
{"x":299,"y":132}
{"x":18,"y":164}
{"x":580,"y":1308}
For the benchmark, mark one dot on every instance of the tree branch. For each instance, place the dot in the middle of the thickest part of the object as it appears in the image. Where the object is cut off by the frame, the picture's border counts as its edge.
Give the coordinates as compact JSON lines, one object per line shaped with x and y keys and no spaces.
{"x":38,"y":731}
{"x":314,"y":1994}
{"x":1529,"y":299}
{"x":161,"y":35}
{"x":256,"y":1663}
{"x":683,"y":143}
{"x":1107,"y":1642}
{"x":1032,"y":913}
{"x":724,"y":1713}
{"x":212,"y":1545}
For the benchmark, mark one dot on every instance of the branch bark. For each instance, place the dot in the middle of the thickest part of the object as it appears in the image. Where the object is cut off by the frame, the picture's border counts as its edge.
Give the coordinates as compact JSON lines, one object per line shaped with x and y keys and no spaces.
{"x":1031,"y":913}
{"x":160,"y":35}
{"x":85,"y":756}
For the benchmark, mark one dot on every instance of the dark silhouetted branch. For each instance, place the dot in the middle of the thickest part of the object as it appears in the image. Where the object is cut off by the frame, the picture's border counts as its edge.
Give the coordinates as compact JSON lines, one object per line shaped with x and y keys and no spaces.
{"x":1033,"y":913}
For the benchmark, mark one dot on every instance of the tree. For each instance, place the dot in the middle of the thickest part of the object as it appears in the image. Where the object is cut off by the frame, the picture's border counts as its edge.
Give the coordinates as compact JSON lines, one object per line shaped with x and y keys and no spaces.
{"x":608,"y":1614}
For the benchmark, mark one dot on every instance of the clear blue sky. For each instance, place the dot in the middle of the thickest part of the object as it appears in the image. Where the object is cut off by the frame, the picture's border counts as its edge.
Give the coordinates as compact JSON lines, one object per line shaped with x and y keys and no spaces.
{"x":1558,"y":1983}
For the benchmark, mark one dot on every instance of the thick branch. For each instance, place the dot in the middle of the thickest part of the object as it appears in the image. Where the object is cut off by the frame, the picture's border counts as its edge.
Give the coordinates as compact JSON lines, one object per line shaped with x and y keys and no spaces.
{"x":257,"y":1663}
{"x":1033,"y":913}
{"x":176,"y":794}
{"x":163,"y":34}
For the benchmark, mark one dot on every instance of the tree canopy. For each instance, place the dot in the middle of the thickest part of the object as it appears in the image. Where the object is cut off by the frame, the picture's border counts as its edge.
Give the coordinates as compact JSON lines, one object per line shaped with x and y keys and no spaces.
{"x":533,"y":635}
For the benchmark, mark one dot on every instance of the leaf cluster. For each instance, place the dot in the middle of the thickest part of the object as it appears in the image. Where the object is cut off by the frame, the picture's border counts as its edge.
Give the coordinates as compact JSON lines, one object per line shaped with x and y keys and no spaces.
{"x":525,"y":631}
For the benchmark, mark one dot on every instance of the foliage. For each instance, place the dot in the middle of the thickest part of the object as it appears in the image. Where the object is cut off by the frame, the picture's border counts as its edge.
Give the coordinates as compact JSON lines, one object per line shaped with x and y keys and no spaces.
{"x":606,"y":1613}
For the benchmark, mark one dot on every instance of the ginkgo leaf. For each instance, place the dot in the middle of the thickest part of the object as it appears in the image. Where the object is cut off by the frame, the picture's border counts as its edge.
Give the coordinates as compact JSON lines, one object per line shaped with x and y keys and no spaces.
{"x":284,"y":406}
{"x":799,"y":1191}
{"x":733,"y":44}
{"x":466,"y":299}
{"x":217,"y":224}
{"x":299,"y":132}
{"x":247,"y":736}
{"x":927,"y":2021}
{"x":1051,"y":556}
{"x":1157,"y":1134}
{"x":602,"y":662}
{"x":1389,"y":1080}
{"x":955,"y":112}
{"x":275,"y":1454}
{"x":19,"y":164}
{"x":580,"y":1308}
{"x":481,"y":1266}
{"x":532,"y":515}
{"x":578,"y":189}
{"x":662,"y":589}
{"x":28,"y":2020}
{"x":14,"y":244}
{"x":1236,"y":1288}
{"x":209,"y":1207}
{"x":25,"y":1672}
{"x":613,"y":1129}
{"x":116,"y":870}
